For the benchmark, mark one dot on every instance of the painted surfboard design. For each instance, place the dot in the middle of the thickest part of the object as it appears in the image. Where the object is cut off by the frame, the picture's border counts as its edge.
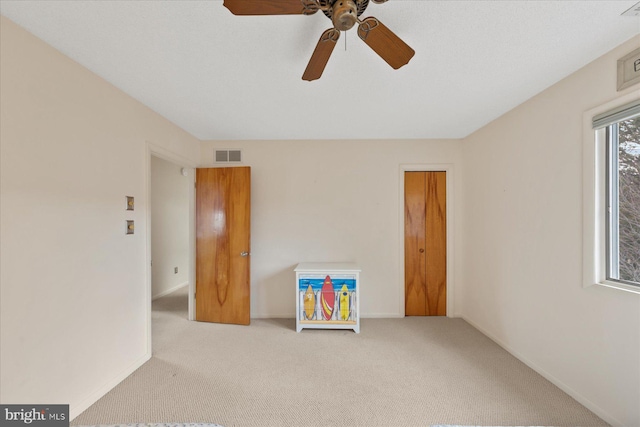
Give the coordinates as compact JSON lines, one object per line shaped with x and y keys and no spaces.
{"x":327,"y":298}
{"x":344,"y":302}
{"x":309,"y":303}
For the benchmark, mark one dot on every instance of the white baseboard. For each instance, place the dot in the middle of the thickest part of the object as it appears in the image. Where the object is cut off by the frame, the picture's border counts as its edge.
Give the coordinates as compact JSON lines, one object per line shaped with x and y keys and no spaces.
{"x":555,"y":381}
{"x":381,"y":316}
{"x":273,"y":316}
{"x":76,"y":409}
{"x":169,"y":291}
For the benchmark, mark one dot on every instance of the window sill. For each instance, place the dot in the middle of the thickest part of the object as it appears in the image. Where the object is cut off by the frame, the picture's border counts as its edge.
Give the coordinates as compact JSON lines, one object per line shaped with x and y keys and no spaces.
{"x":621,"y":286}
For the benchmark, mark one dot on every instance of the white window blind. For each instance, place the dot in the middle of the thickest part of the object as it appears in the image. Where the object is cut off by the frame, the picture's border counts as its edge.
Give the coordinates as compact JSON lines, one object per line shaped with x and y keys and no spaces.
{"x":617,"y":114}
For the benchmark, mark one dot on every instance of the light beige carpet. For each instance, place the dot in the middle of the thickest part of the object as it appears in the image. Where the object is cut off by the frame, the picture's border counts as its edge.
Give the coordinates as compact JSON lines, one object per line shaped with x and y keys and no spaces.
{"x":396,"y":372}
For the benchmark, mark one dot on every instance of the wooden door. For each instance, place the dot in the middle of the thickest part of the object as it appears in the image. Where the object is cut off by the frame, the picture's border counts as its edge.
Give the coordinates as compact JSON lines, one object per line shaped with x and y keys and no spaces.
{"x":425,"y":243}
{"x":223,"y":245}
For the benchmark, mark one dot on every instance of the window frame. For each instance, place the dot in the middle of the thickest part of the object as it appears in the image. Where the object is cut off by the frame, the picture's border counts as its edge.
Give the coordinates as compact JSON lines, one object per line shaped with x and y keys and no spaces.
{"x":596,"y":200}
{"x":612,"y":220}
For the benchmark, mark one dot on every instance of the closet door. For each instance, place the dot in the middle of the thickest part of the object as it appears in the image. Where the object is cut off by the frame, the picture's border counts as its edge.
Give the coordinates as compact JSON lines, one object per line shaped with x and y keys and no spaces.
{"x":425,"y":243}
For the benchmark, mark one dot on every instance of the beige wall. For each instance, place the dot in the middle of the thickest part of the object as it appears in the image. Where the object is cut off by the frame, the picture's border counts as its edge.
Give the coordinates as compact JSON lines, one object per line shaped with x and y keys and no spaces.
{"x":73,"y":295}
{"x":522,"y":280}
{"x":331,"y":201}
{"x":169,"y":226}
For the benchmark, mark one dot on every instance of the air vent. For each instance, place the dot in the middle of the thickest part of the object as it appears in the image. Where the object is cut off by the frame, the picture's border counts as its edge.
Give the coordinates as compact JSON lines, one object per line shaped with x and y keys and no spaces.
{"x":228,"y":156}
{"x":633,"y":10}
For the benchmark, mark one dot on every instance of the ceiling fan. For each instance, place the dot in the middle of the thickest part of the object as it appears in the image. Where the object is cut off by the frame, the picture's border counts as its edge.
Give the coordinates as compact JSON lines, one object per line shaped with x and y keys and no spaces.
{"x":344,"y":14}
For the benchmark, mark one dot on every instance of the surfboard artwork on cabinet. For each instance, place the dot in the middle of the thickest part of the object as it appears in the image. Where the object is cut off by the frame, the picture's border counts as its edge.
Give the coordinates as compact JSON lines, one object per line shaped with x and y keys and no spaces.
{"x":327,"y":296}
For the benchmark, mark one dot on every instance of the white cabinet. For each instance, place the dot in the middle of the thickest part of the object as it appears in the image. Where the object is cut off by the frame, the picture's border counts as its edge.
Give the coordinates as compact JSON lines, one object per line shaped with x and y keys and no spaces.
{"x":327,"y":296}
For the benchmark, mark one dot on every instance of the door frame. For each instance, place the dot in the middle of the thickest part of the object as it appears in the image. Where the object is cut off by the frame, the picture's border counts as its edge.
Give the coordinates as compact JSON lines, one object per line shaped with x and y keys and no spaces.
{"x":429,"y":167}
{"x":160,"y":152}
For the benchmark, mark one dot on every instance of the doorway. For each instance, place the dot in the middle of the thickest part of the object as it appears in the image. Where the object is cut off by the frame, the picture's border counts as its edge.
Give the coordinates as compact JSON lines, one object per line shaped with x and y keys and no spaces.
{"x":425,"y":243}
{"x":170,"y":240}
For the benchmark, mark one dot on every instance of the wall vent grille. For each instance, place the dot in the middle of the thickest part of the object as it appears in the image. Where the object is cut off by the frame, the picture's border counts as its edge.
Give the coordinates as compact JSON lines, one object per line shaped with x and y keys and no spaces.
{"x":228,"y":156}
{"x":633,"y":10}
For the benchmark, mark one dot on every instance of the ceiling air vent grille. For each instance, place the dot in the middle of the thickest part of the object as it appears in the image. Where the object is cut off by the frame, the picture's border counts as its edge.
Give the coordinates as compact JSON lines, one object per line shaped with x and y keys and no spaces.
{"x":228,"y":156}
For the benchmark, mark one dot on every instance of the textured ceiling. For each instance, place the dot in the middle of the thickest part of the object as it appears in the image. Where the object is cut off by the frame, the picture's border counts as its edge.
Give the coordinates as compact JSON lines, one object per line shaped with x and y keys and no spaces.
{"x":221,"y":76}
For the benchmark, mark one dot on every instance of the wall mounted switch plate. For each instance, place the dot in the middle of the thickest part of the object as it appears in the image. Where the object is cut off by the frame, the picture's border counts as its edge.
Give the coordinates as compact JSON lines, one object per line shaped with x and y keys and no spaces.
{"x":130,"y":227}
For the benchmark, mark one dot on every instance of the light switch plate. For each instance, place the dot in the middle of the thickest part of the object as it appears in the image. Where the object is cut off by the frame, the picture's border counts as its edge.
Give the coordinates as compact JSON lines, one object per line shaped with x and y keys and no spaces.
{"x":130,"y":227}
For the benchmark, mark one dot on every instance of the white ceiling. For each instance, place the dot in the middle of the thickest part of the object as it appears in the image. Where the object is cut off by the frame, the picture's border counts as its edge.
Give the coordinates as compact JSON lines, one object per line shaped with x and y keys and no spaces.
{"x":221,"y":76}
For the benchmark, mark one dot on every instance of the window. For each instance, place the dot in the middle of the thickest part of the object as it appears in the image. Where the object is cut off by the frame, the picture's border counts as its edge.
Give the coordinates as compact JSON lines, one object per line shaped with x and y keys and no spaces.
{"x":611,"y":190}
{"x":623,"y":200}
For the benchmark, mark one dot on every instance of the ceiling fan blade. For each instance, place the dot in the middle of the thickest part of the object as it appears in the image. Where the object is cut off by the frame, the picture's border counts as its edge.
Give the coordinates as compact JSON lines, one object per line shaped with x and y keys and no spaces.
{"x":321,"y":54}
{"x":271,"y":7}
{"x":385,"y":43}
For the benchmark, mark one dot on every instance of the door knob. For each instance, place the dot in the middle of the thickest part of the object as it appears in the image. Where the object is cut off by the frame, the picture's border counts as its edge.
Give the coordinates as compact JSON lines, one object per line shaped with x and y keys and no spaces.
{"x":244,"y":253}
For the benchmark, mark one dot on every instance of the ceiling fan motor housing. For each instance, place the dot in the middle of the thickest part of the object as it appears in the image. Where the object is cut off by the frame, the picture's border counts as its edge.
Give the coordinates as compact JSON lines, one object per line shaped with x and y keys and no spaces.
{"x":327,"y":6}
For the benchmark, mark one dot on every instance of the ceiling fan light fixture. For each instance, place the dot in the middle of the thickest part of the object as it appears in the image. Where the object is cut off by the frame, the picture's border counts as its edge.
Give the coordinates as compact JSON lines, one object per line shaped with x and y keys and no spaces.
{"x":345,"y":14}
